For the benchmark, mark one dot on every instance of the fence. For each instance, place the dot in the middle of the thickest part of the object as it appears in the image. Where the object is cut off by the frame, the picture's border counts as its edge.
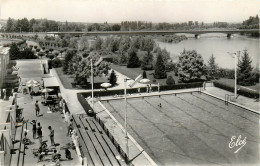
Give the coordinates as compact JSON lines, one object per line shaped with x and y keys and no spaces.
{"x":143,"y":89}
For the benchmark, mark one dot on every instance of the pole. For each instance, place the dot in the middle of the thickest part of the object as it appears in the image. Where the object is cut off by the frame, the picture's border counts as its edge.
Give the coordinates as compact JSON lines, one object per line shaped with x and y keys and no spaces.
{"x":235,"y":90}
{"x":92,"y":84}
{"x":126,"y":137}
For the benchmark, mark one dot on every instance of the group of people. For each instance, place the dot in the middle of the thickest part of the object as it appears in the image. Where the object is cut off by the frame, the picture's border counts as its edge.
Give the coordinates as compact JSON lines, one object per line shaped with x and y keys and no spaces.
{"x":37,"y":130}
{"x":43,"y":150}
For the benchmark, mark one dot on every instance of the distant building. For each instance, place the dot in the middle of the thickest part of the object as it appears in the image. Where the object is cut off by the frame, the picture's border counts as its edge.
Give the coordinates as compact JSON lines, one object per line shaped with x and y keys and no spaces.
{"x":4,"y":61}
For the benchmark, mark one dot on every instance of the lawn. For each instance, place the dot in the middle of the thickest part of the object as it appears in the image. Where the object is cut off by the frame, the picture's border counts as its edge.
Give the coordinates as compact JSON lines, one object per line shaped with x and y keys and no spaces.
{"x":68,"y":80}
{"x":134,"y":72}
{"x":65,"y":79}
{"x":231,"y":82}
{"x":189,"y":129}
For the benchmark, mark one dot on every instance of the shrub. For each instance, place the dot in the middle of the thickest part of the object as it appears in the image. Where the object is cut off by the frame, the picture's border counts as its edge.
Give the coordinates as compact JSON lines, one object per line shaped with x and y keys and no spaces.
{"x":56,"y":63}
{"x":27,"y":53}
{"x":241,"y":91}
{"x":112,"y":78}
{"x":170,"y":81}
{"x":143,"y":89}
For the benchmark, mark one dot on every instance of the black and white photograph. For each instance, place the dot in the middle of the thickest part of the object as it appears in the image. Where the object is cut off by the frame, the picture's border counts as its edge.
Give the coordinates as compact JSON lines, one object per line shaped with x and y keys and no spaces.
{"x":129,"y":83}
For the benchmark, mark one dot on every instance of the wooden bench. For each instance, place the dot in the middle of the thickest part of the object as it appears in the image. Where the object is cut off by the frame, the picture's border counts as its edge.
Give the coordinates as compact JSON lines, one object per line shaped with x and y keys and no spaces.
{"x":106,"y":144}
{"x":85,"y":124}
{"x":114,"y":150}
{"x":99,"y":148}
{"x":107,"y":150}
{"x":77,"y":121}
{"x":85,"y":151}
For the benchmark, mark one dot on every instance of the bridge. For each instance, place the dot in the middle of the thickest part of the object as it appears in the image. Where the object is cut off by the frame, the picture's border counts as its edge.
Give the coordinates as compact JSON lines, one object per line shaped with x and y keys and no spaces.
{"x":197,"y":33}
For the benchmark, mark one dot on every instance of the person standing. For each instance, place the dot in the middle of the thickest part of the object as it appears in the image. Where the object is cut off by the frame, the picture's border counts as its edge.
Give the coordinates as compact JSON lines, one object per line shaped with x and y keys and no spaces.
{"x":70,"y":127}
{"x":37,"y":108}
{"x":34,"y":128}
{"x":51,"y":136}
{"x":39,"y":132}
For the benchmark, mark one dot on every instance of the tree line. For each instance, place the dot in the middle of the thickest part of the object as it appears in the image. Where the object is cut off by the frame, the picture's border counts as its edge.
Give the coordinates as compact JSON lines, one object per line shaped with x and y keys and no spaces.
{"x":39,"y":25}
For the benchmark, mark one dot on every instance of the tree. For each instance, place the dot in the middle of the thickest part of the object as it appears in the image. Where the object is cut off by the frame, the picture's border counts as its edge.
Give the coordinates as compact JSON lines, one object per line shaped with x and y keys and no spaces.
{"x":133,"y":60}
{"x":51,"y":50}
{"x":61,"y":51}
{"x":41,"y":54}
{"x":112,"y":78}
{"x":159,"y":69}
{"x":56,"y":54}
{"x":147,"y":62}
{"x":245,"y":75}
{"x":38,"y":50}
{"x":10,"y":25}
{"x":190,"y":66}
{"x":69,"y":55}
{"x":98,"y":43}
{"x":166,"y":56}
{"x":83,"y":43}
{"x":170,"y":81}
{"x":83,"y":71}
{"x":148,"y":45}
{"x":14,"y":51}
{"x":116,"y":27}
{"x":212,"y":68}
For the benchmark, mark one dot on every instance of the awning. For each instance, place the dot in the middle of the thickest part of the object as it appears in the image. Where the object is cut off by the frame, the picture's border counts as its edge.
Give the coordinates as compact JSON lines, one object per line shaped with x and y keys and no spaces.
{"x":50,"y":82}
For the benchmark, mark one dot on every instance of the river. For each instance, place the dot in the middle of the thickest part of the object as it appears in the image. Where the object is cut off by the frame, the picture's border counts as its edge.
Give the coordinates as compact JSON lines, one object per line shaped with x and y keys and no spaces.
{"x":218,"y":45}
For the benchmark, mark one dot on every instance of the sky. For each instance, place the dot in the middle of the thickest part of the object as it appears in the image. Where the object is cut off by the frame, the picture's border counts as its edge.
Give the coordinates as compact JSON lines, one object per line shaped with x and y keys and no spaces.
{"x":115,"y":11}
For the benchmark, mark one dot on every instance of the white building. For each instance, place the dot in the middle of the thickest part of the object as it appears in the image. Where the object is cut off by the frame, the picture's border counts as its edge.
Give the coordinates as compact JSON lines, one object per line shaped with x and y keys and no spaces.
{"x":4,"y":61}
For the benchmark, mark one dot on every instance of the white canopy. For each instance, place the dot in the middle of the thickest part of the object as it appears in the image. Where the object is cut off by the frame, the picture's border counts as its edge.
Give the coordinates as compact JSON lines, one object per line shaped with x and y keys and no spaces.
{"x":50,"y":82}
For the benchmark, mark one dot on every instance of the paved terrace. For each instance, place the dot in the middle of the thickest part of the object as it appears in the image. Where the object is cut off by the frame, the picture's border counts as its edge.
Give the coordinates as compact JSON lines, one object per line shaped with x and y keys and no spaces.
{"x":30,"y":69}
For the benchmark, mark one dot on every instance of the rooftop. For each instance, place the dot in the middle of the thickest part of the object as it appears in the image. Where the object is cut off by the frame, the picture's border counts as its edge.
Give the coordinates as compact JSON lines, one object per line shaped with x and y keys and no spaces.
{"x":4,"y":50}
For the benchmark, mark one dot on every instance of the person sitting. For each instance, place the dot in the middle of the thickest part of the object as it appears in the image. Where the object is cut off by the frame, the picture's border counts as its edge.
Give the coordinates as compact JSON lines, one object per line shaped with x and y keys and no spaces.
{"x":56,"y":156}
{"x":68,"y":154}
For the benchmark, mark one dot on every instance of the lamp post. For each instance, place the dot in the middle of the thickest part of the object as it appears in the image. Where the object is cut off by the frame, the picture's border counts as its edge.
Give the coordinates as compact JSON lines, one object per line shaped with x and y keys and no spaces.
{"x":92,"y":77}
{"x":92,"y":84}
{"x":235,"y":56}
{"x":126,"y":137}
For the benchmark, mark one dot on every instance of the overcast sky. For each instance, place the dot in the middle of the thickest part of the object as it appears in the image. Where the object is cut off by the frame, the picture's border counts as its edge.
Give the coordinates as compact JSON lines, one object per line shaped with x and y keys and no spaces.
{"x":144,"y":10}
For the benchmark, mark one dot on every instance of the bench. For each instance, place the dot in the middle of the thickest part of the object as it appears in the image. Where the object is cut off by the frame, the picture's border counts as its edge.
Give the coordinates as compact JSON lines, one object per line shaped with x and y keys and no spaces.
{"x":91,"y":149}
{"x":99,"y":148}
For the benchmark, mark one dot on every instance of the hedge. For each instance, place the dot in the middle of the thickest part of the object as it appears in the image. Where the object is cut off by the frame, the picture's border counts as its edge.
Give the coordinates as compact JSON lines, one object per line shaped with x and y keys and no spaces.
{"x":84,"y":103}
{"x":143,"y":89}
{"x":242,"y":91}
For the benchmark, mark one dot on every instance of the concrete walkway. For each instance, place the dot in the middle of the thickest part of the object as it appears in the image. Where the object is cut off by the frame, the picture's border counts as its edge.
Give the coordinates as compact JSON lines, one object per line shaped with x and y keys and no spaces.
{"x":241,"y":100}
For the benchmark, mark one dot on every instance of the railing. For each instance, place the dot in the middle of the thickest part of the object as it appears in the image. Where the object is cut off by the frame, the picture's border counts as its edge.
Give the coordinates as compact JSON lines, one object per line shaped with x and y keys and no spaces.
{"x":6,"y":149}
